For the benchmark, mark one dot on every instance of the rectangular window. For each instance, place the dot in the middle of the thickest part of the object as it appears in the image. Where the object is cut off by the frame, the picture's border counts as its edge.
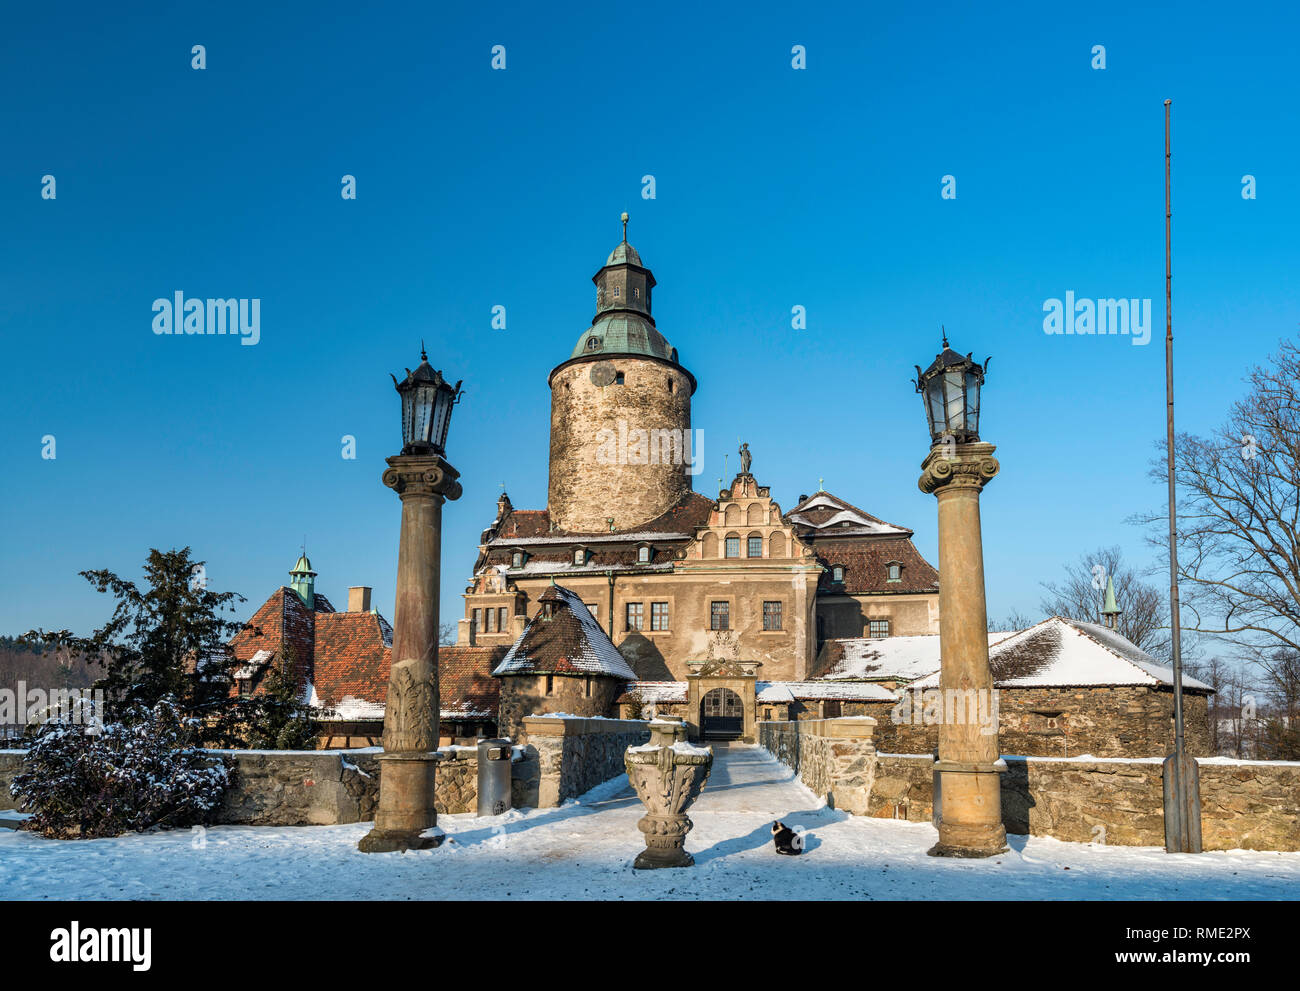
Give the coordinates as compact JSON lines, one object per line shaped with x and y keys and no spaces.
{"x":501,"y":619}
{"x":635,"y":616}
{"x":478,"y":620}
{"x":719,"y":615}
{"x":594,"y":609}
{"x":659,"y":616}
{"x":771,"y":615}
{"x":733,"y":547}
{"x":755,"y":547}
{"x":878,"y":628}
{"x":491,"y":618}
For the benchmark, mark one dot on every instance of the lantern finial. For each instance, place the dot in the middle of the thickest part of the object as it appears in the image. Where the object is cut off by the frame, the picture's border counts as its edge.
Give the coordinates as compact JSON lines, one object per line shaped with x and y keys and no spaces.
{"x":624,"y":219}
{"x":945,"y":336}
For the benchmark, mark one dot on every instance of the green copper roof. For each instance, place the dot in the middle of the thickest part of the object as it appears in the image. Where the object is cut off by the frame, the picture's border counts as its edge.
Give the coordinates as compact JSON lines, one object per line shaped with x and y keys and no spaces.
{"x":624,"y":254}
{"x":623,"y":332}
{"x":1109,"y":607}
{"x":302,"y":567}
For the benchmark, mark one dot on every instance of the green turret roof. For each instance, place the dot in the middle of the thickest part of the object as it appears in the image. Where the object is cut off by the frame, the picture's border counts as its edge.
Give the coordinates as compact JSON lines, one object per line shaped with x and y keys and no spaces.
{"x":303,"y":567}
{"x":623,"y":332}
{"x":1110,"y":607}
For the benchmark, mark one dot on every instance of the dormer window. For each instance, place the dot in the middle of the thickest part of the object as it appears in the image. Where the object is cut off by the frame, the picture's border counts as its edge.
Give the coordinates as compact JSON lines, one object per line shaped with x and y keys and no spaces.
{"x":643,"y":554}
{"x":517,"y":559}
{"x":579,"y":555}
{"x":837,"y":574}
{"x":895,"y":571}
{"x":593,"y":343}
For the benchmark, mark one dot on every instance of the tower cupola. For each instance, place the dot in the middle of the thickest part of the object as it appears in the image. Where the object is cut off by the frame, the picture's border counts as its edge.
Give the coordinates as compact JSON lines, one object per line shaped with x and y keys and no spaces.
{"x":303,"y":581}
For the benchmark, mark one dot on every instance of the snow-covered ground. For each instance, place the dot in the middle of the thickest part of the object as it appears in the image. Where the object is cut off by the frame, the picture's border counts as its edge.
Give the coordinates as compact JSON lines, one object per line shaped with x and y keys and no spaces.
{"x":585,"y":850}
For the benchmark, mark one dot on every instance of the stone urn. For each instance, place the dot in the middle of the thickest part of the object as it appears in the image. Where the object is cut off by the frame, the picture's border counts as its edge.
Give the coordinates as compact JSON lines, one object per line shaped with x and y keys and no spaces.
{"x":668,"y":774}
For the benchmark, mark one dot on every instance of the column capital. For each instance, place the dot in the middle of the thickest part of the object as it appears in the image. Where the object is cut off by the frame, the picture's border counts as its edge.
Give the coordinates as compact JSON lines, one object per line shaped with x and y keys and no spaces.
{"x":958,"y":466}
{"x":422,"y":475}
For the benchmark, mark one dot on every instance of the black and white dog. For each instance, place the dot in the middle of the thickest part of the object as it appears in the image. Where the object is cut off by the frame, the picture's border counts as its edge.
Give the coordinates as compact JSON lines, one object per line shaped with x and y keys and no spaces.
{"x":787,"y":841}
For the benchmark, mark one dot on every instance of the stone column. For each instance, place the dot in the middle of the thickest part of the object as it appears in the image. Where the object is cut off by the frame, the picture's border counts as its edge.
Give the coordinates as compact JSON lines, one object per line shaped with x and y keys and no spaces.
{"x":406,"y":818}
{"x":968,"y":794}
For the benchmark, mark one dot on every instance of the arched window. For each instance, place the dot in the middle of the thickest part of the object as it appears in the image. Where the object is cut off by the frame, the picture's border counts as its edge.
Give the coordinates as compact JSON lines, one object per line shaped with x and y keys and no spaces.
{"x":636,"y":292}
{"x":733,"y":545}
{"x":643,"y":554}
{"x":731,"y":515}
{"x":754,"y":515}
{"x":618,"y":378}
{"x":670,"y":383}
{"x":710,"y":546}
{"x":754,"y":545}
{"x":593,"y":343}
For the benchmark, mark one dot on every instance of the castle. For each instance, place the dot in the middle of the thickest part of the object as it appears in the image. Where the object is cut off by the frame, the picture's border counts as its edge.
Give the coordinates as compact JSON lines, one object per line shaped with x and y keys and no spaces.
{"x":631,"y":594}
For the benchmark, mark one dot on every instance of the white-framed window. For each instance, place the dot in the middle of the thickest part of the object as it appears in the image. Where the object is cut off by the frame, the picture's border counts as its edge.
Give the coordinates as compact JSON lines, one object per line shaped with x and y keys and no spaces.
{"x":517,"y":559}
{"x":837,"y":574}
{"x":878,"y":627}
{"x":895,"y":571}
{"x":635,"y":616}
{"x":643,"y":555}
{"x":659,"y":616}
{"x":579,"y":555}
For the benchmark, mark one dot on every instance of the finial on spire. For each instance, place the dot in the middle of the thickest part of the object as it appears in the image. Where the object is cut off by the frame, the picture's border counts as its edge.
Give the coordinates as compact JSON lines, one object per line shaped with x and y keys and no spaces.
{"x":945,"y":336}
{"x":821,"y":483}
{"x":423,"y":355}
{"x":625,"y":227}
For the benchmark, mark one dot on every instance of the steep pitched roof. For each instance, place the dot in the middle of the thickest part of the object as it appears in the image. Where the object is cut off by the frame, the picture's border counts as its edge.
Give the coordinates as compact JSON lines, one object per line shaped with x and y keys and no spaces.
{"x":866,"y":566}
{"x":564,"y":638}
{"x":1064,"y":653}
{"x":466,"y":688}
{"x":350,"y":672}
{"x":823,"y":514}
{"x":282,"y":620}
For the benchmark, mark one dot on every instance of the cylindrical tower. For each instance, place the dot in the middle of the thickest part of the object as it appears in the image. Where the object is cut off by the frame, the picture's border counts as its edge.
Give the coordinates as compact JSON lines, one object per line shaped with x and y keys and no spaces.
{"x":621,"y":444}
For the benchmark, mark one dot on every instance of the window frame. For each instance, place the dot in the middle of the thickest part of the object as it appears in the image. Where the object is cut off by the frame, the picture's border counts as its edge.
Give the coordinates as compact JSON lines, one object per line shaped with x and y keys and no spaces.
{"x":631,"y":609}
{"x":773,"y":609}
{"x":719,"y":608}
{"x":660,"y":614}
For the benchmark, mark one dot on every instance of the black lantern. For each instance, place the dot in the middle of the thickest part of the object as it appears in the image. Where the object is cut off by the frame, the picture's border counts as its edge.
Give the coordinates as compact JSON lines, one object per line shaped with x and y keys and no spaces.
{"x":427,"y":400}
{"x":950,"y":390}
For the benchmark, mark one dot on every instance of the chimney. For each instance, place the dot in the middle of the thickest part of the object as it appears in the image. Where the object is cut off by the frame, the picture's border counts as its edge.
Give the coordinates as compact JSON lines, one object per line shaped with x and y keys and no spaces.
{"x":359,"y":598}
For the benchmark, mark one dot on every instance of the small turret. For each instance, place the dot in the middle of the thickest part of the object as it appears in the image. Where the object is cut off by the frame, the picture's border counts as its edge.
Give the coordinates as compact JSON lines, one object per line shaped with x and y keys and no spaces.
{"x":304,"y":581}
{"x":1110,"y":610}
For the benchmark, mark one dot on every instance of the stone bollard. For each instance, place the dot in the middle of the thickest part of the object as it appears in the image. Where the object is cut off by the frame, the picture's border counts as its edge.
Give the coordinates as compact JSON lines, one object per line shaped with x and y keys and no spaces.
{"x":668,"y":774}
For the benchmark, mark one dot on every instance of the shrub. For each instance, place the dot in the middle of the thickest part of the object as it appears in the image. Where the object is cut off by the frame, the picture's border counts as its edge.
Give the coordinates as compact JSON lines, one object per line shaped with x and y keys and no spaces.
{"x":87,"y":781}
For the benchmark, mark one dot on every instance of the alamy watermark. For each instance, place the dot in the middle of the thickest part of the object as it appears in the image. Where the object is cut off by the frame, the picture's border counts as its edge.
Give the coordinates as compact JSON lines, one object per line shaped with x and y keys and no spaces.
{"x":621,"y":445}
{"x":948,"y":706}
{"x":178,"y":315}
{"x":75,"y":706}
{"x":1129,"y":317}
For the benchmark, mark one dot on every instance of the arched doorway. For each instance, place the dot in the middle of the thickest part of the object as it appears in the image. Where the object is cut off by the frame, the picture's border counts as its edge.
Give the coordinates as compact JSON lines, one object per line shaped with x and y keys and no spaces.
{"x":722,"y":715}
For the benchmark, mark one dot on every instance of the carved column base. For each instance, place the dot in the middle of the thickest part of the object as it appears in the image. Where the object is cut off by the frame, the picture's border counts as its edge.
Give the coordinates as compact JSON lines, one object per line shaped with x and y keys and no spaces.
{"x":968,"y":805}
{"x":665,"y":842}
{"x":405,"y":819}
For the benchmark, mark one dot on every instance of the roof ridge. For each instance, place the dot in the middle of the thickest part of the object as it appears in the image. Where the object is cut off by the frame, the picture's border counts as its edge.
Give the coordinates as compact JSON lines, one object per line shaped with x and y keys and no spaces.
{"x":1109,"y":650}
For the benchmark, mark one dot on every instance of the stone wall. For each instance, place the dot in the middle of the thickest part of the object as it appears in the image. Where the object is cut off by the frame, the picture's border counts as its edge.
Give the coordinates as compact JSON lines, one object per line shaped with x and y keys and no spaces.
{"x":566,"y":757}
{"x":1102,"y":721}
{"x":835,"y":758}
{"x":308,"y":787}
{"x":525,"y":695}
{"x":1252,"y":805}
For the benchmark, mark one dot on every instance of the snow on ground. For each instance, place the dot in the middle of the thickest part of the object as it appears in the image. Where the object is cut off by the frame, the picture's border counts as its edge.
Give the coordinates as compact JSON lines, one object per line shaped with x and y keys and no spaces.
{"x":585,"y":850}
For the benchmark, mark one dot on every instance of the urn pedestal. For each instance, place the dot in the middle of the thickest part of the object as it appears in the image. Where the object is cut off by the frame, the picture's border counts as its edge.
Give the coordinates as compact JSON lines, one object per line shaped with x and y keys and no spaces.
{"x":668,"y":774}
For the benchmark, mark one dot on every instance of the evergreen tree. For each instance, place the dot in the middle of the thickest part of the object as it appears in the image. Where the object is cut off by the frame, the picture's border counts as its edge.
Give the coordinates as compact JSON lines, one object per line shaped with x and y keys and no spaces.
{"x":277,"y":718}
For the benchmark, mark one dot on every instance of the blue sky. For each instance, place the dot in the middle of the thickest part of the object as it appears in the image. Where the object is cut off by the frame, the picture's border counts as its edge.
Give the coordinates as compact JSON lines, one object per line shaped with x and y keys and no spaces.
{"x":774,"y":188}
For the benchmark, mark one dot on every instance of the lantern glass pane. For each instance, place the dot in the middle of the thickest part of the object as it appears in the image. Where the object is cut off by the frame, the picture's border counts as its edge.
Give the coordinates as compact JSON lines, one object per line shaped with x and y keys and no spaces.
{"x":423,"y":398}
{"x":954,"y":388}
{"x":973,"y":402}
{"x":441,"y":414}
{"x":934,"y":407}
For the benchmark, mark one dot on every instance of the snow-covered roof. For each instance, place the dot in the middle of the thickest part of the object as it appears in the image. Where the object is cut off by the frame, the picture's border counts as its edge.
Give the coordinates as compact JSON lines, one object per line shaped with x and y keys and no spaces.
{"x":886,"y":658}
{"x":582,"y":540}
{"x":827,"y":512}
{"x":564,"y":638}
{"x":846,"y":691}
{"x":652,"y":692}
{"x":1067,"y":653}
{"x":253,"y":665}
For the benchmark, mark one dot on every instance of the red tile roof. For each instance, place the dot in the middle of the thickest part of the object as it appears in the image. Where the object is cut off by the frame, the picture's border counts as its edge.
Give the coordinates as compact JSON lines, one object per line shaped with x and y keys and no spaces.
{"x":866,"y":562}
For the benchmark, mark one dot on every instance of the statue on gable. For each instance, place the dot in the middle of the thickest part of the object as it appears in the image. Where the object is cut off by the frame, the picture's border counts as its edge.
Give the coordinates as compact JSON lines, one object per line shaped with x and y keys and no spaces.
{"x":745,"y":459}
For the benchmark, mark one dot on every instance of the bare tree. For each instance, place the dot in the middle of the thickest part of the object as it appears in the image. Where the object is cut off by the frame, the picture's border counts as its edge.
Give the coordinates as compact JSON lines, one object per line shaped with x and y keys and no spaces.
{"x":1143,"y":619}
{"x":446,"y":634}
{"x":1239,"y":517}
{"x":1015,"y":620}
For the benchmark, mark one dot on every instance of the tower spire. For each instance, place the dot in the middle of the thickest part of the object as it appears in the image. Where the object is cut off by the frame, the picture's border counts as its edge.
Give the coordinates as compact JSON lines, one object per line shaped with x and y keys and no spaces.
{"x":625,"y":227}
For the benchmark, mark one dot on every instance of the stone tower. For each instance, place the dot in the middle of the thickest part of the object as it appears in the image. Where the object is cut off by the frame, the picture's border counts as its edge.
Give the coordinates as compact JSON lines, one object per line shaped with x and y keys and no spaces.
{"x":621,"y":445}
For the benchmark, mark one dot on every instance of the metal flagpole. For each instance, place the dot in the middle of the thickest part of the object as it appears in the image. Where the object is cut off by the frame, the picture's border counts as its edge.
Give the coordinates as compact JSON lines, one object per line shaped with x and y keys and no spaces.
{"x":1182,"y":785}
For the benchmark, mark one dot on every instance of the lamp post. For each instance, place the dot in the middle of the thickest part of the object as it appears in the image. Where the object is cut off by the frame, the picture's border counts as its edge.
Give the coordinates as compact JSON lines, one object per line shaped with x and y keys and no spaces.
{"x":967,"y":792}
{"x":406,"y":818}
